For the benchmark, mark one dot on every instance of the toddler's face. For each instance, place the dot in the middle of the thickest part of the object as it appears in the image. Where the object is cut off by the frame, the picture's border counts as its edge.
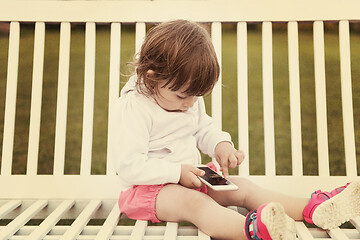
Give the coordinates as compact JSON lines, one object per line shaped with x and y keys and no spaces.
{"x":173,"y":101}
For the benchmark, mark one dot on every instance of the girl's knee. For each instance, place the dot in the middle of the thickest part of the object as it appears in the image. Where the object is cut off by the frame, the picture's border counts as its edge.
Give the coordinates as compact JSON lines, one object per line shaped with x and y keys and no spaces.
{"x":194,"y":202}
{"x":238,"y":197}
{"x":245,"y":187}
{"x":179,"y":203}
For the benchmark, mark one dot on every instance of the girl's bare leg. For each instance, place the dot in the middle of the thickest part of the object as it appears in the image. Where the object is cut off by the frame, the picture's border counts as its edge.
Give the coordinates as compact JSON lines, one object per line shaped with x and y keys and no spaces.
{"x":176,"y":203}
{"x":251,"y":196}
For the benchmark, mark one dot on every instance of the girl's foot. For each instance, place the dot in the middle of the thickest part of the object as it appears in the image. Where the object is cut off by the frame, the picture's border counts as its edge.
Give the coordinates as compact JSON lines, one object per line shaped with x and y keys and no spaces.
{"x":270,"y":222}
{"x":329,"y":210}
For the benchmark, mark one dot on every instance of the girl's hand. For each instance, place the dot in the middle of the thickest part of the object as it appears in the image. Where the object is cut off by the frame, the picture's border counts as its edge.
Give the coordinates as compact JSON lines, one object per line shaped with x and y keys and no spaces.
{"x":228,"y":157}
{"x":189,"y":176}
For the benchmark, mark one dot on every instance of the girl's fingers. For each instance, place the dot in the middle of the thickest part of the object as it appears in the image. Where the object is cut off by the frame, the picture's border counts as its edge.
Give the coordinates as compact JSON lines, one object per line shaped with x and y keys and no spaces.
{"x":198,"y":172}
{"x":225,"y":169}
{"x":233,"y":161}
{"x":240,"y":157}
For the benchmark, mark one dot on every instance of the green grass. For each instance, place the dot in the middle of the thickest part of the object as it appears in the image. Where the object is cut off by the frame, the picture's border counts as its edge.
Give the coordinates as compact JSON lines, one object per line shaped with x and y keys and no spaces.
{"x":230,"y":116}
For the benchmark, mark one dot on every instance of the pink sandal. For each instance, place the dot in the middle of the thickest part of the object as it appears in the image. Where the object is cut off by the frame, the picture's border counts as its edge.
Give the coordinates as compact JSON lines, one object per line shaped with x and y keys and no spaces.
{"x":329,"y":210}
{"x":269,"y":222}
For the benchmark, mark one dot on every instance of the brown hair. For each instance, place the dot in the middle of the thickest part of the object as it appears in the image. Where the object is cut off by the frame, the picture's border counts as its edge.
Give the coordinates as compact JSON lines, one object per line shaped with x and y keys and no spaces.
{"x":181,"y":54}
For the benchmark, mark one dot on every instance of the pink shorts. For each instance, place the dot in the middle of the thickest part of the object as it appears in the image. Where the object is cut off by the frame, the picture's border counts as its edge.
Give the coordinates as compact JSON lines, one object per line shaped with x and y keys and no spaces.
{"x":138,"y":202}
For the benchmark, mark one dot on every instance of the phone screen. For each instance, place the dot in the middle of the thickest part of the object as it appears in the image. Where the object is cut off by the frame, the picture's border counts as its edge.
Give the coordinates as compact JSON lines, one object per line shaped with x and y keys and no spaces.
{"x":213,"y":178}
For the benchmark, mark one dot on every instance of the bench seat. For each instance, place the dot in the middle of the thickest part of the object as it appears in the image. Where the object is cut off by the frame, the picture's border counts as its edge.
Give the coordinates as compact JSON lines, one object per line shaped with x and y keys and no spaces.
{"x":71,"y":193}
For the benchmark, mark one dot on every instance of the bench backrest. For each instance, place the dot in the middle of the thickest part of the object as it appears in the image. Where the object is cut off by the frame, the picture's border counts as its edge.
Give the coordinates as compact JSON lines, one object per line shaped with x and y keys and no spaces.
{"x":87,"y":183}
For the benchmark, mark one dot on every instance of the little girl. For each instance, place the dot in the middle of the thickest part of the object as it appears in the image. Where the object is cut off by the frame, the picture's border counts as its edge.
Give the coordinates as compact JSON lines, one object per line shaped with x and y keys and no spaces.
{"x":161,"y":122}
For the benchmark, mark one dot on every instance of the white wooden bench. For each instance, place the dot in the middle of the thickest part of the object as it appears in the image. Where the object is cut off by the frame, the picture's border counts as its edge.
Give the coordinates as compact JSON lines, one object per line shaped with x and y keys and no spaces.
{"x":86,"y":196}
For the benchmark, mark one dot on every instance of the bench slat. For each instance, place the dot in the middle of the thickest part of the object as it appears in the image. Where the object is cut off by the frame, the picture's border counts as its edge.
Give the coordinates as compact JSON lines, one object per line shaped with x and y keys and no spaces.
{"x":41,"y":231}
{"x":91,"y":187}
{"x":110,"y":224}
{"x":140,"y":32}
{"x":320,"y":93}
{"x":216,"y":101}
{"x":216,"y":94}
{"x":8,"y":207}
{"x":302,"y":231}
{"x":337,"y":234}
{"x":268,"y":99}
{"x":22,"y":219}
{"x":171,"y":231}
{"x":202,"y":235}
{"x":36,"y":97}
{"x":65,"y":187}
{"x":243,"y":100}
{"x":81,"y":221}
{"x":356,"y":223}
{"x":114,"y":86}
{"x":155,"y":232}
{"x":89,"y":91}
{"x":121,"y":232}
{"x":347,"y":100}
{"x":62,"y":98}
{"x":139,"y":230}
{"x":294,"y":88}
{"x":10,"y":101}
{"x":202,"y":11}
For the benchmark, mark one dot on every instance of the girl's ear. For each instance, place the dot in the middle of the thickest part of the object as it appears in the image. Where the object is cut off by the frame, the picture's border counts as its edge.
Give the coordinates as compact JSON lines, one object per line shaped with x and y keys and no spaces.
{"x":150,"y":73}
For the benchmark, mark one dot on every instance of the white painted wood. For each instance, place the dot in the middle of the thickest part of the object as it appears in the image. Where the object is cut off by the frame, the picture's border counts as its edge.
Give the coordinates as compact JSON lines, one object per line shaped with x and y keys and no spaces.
{"x":36,"y":95}
{"x":152,"y":232}
{"x":305,"y":185}
{"x":140,"y":32}
{"x":202,"y":235}
{"x":268,"y":99}
{"x":89,"y":94}
{"x":171,"y":231}
{"x":188,"y":231}
{"x":356,"y":223}
{"x":91,"y":187}
{"x":155,"y":232}
{"x":320,"y":94}
{"x":84,"y":188}
{"x":319,"y":233}
{"x":22,"y":219}
{"x":121,"y":232}
{"x":294,"y":88}
{"x":216,"y":96}
{"x":51,"y":220}
{"x":185,"y":235}
{"x":302,"y":231}
{"x":81,"y":221}
{"x":10,"y":101}
{"x":106,"y":208}
{"x":8,"y":207}
{"x":118,"y":238}
{"x":62,"y":98}
{"x":337,"y":234}
{"x":139,"y":230}
{"x":242,"y":91}
{"x":114,"y":84}
{"x":158,"y":11}
{"x":110,"y":224}
{"x":66,"y":187}
{"x":347,"y":103}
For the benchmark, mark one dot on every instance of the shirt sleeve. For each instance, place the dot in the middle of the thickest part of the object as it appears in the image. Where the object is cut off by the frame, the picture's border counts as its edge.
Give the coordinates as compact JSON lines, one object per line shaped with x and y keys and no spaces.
{"x":128,"y":146}
{"x":208,"y":134}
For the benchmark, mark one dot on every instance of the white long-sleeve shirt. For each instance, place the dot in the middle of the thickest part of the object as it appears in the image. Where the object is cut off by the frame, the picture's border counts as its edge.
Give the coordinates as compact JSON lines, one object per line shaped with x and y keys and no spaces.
{"x":148,"y":144}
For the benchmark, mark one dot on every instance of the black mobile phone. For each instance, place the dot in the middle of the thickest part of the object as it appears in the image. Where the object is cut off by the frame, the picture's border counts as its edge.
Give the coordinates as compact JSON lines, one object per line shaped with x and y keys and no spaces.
{"x":215,"y":181}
